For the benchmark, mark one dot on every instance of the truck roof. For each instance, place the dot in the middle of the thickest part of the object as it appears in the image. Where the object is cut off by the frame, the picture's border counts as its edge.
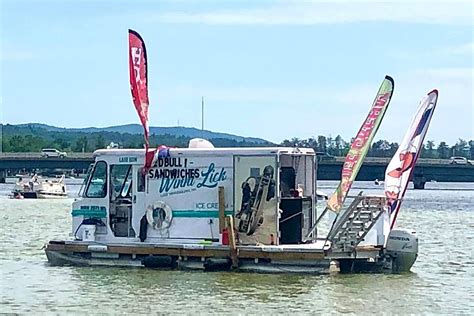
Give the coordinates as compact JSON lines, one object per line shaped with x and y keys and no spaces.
{"x":211,"y":151}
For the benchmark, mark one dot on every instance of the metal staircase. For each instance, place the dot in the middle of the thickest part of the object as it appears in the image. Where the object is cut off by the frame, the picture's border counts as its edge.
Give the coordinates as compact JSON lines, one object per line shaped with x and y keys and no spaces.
{"x":355,"y":222}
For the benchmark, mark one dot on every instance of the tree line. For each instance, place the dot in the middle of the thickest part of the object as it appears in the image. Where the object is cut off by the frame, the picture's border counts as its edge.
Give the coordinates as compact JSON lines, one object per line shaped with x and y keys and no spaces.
{"x":22,"y":139}
{"x":339,"y":147}
{"x":35,"y":139}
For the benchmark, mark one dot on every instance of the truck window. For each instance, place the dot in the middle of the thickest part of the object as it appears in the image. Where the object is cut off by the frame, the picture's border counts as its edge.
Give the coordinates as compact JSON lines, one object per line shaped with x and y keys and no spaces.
{"x":119,"y":180}
{"x":98,"y":184}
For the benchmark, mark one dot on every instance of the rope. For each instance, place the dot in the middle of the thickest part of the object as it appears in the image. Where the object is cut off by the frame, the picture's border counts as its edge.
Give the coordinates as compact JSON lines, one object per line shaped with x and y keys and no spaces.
{"x":290,"y":217}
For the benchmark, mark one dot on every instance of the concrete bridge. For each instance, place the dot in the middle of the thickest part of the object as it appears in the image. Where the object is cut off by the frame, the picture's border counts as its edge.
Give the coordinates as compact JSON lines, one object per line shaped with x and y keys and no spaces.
{"x":426,"y":170}
{"x":12,"y":163}
{"x":373,"y":168}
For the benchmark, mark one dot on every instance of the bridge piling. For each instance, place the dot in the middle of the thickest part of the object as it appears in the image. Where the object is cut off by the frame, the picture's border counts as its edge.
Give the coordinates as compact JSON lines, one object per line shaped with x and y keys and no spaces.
{"x":3,"y":175}
{"x":419,"y":182}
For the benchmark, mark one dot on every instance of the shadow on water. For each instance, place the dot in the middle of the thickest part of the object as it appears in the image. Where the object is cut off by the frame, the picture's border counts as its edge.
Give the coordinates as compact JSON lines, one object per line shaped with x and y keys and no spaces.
{"x":260,"y":287}
{"x":246,"y":292}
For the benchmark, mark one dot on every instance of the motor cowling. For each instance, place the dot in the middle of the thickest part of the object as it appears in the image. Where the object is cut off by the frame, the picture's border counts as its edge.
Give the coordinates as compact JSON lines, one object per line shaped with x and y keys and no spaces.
{"x":402,"y":248}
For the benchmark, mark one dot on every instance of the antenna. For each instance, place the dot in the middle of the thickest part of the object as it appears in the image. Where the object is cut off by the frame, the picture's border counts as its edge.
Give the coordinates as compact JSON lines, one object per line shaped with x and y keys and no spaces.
{"x":202,"y":113}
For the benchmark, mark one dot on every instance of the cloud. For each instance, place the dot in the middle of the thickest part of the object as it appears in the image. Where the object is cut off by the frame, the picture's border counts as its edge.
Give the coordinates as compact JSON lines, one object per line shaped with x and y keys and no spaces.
{"x":310,"y":13}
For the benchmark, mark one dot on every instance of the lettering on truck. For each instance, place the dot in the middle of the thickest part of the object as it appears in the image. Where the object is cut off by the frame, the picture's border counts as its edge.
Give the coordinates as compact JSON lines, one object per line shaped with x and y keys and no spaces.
{"x":173,"y":173}
{"x":127,"y":159}
{"x":399,"y":238}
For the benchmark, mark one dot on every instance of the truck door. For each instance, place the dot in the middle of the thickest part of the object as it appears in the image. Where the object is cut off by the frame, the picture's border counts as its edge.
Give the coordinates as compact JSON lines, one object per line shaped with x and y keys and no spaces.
{"x":138,"y":197}
{"x":121,"y":200}
{"x":255,"y":199}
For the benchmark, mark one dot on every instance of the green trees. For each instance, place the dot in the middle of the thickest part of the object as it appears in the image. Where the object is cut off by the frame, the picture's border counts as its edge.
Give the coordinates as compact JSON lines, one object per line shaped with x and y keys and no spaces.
{"x":19,"y":143}
{"x":429,"y":150}
{"x":322,"y":146}
{"x":443,"y":150}
{"x":461,"y":148}
{"x":471,"y":149}
{"x":33,"y":139}
{"x":81,"y":144}
{"x":100,"y":142}
{"x":383,"y":148}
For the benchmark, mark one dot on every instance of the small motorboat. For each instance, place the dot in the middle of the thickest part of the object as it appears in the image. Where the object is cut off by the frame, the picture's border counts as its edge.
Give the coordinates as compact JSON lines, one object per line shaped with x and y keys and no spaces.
{"x":35,"y":188}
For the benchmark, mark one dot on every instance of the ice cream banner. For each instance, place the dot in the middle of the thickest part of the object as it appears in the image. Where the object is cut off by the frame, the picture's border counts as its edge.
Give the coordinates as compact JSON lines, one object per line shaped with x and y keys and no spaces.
{"x":361,"y":144}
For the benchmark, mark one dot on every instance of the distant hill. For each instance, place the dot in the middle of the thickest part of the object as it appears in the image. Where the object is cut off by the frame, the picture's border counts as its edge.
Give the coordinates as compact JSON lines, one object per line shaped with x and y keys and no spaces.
{"x":33,"y":137}
{"x":187,"y":132}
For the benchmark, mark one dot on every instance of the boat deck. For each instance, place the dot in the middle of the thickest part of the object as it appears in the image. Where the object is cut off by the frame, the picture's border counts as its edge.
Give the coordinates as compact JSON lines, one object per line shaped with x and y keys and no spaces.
{"x":301,"y":252}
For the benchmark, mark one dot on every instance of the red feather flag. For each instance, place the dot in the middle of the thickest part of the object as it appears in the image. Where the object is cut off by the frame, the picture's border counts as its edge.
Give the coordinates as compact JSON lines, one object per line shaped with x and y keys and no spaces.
{"x":139,"y":85}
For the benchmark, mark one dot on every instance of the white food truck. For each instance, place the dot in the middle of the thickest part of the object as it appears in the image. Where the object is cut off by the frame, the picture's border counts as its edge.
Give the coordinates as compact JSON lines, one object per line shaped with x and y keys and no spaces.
{"x":177,"y":199}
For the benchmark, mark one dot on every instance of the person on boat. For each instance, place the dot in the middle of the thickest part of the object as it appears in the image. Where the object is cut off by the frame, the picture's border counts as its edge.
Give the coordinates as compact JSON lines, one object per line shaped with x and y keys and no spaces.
{"x":31,"y":185}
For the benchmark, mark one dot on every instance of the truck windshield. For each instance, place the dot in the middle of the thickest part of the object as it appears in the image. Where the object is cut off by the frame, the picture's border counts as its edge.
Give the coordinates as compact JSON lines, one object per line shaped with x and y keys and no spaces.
{"x":98,"y":181}
{"x":86,"y":180}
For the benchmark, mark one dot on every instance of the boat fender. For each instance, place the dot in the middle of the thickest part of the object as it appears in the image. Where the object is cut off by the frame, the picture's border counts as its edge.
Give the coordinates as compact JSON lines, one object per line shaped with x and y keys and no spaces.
{"x":143,"y":228}
{"x":97,"y":248}
{"x":159,"y":215}
{"x":217,"y":264}
{"x":159,"y":262}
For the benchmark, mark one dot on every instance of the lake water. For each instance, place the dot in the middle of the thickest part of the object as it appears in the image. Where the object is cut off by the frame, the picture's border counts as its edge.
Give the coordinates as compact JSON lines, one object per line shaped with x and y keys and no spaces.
{"x":442,"y":279}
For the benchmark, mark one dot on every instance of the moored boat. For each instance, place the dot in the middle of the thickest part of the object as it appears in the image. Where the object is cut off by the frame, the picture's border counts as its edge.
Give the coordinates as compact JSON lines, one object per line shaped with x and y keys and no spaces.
{"x":239,"y":209}
{"x":37,"y":188}
{"x":217,"y":208}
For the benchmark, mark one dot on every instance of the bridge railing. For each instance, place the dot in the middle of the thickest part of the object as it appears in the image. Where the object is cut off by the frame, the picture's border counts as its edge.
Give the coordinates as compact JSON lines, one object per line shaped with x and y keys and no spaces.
{"x":385,"y":160}
{"x":32,"y":155}
{"x":368,"y":160}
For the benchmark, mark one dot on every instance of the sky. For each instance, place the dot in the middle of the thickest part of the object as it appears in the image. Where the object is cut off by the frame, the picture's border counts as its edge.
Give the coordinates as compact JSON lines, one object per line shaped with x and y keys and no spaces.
{"x":269,"y":69}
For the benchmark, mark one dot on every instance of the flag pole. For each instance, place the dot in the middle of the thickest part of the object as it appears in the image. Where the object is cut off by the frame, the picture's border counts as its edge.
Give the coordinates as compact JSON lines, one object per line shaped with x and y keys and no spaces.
{"x":202,"y":113}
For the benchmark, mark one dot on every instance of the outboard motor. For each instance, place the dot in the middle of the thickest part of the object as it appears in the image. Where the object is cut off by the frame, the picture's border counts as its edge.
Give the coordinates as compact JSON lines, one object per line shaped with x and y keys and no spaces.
{"x":402,"y":247}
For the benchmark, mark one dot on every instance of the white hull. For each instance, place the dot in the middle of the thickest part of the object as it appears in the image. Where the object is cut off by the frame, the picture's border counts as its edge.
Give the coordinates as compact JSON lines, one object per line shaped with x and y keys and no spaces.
{"x":36,"y":189}
{"x":45,"y":195}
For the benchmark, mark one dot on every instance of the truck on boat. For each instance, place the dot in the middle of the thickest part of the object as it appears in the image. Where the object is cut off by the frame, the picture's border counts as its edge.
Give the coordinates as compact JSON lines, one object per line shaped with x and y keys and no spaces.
{"x":240,"y":209}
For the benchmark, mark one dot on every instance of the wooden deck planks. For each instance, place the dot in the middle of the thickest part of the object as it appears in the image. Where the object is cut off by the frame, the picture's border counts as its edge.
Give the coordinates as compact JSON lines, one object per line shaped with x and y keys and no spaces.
{"x":242,"y":252}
